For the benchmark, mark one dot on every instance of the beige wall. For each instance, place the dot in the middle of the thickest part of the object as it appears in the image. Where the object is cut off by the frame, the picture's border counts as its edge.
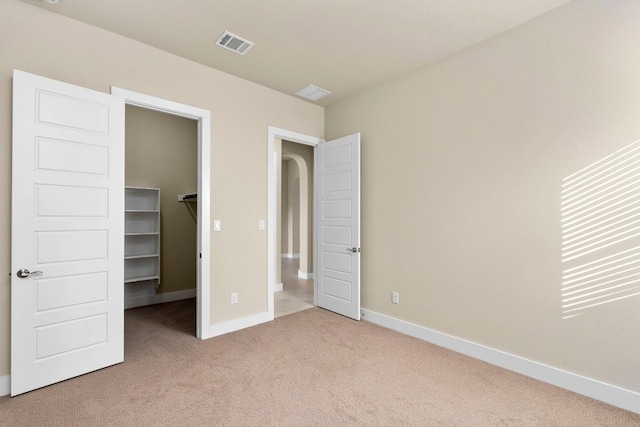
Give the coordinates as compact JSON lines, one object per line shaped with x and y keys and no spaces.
{"x":293,"y":180}
{"x":290,"y":208}
{"x":39,"y":42}
{"x":284,"y":207}
{"x":162,"y":152}
{"x":462,"y":168}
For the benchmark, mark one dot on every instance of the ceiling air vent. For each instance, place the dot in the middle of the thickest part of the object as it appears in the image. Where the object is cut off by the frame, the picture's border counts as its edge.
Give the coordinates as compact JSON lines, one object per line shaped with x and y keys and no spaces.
{"x":313,"y":93}
{"x":234,"y":43}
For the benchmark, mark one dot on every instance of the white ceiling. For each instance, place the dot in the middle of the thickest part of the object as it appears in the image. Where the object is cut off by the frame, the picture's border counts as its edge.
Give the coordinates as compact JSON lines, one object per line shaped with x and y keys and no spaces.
{"x":343,"y":46}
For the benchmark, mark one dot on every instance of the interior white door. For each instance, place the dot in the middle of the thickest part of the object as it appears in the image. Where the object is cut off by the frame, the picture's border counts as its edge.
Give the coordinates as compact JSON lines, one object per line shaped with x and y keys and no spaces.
{"x":337,"y":183}
{"x":67,"y":232}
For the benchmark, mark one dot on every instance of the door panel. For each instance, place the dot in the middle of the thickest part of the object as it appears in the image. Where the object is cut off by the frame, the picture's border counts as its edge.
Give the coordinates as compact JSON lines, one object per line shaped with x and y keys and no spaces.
{"x":68,"y":226}
{"x":61,"y":156}
{"x":63,"y":337}
{"x":71,"y":246}
{"x":337,"y":209}
{"x":71,"y":201}
{"x":64,"y":292}
{"x":59,"y":109}
{"x":338,"y":194}
{"x":336,"y":235}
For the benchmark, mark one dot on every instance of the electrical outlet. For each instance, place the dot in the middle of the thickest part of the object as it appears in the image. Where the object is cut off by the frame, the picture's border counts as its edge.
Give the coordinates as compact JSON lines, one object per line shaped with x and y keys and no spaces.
{"x":234,"y":298}
{"x":395,"y":297}
{"x":261,"y":225}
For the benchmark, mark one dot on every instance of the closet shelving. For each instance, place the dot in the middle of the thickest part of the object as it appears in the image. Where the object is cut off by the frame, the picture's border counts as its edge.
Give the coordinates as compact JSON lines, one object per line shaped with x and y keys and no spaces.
{"x":142,"y":235}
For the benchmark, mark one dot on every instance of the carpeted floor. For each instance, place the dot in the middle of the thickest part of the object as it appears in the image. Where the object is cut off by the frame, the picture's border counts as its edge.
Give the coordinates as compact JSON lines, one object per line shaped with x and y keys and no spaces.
{"x":311,"y":368}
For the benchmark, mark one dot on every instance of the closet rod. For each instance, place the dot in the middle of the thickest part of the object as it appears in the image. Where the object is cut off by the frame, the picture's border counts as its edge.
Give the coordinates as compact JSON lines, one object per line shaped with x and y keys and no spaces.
{"x":192,"y":197}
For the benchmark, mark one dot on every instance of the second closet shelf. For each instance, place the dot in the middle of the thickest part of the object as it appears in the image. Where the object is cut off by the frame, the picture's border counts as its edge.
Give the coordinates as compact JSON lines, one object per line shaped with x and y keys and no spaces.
{"x":141,"y":256}
{"x":141,"y":278}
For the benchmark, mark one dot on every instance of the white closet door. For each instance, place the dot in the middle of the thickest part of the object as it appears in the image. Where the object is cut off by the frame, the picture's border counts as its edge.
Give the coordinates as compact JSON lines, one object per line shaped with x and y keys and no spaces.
{"x":67,"y":237}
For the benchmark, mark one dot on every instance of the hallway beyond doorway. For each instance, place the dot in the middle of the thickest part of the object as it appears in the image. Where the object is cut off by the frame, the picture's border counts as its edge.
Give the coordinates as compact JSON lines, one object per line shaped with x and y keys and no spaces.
{"x":297,"y":294}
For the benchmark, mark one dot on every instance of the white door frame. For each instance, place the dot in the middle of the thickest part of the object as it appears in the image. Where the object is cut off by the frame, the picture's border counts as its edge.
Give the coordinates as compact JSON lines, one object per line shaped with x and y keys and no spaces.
{"x":272,"y":213}
{"x":203,"y":275}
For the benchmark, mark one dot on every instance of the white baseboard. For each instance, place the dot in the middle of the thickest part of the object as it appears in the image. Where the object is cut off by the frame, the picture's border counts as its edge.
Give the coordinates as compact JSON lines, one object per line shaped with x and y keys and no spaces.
{"x":291,"y":256}
{"x":142,"y":300}
{"x":611,"y":394}
{"x":237,"y":324}
{"x":303,"y":275}
{"x":5,"y":385}
{"x":278,"y":288}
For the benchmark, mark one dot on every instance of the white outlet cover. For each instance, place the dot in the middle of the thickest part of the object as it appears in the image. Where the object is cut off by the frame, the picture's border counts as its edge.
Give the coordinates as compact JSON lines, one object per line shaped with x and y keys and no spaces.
{"x":261,"y":225}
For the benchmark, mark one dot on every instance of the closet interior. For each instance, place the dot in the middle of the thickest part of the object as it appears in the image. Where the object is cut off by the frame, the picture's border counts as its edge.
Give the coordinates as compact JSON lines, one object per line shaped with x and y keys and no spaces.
{"x":160,"y":214}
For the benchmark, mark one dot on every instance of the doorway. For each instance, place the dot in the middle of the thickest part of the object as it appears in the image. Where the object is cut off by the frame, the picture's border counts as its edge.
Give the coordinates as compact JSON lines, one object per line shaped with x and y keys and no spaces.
{"x":296,"y":213}
{"x":160,"y":246}
{"x":295,"y":290}
{"x":275,"y":137}
{"x":336,"y":220}
{"x":203,"y":216}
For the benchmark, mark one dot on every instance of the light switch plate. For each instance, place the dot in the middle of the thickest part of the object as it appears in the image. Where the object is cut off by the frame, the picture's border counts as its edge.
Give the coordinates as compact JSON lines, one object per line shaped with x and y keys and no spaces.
{"x":217,"y":225}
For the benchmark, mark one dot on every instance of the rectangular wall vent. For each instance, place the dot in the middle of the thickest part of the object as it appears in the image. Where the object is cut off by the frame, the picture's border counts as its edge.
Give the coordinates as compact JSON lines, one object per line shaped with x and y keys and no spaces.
{"x":234,"y":43}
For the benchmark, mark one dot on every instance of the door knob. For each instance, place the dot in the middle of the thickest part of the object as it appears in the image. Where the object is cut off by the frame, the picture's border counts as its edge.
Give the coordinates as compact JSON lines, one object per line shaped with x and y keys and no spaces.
{"x":24,"y":273}
{"x":353,"y":250}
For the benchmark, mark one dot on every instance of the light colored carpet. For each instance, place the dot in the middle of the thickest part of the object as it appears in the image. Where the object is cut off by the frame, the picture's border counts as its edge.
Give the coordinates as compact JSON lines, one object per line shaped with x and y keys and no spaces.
{"x":311,"y":368}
